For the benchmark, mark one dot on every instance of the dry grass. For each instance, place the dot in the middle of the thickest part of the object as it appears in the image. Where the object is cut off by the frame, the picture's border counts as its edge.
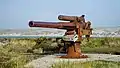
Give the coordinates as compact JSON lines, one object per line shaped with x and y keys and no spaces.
{"x":89,"y":64}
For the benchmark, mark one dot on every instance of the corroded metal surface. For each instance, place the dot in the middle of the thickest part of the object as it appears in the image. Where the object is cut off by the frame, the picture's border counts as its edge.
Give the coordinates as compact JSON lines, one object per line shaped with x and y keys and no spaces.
{"x":76,"y":25}
{"x":67,"y":18}
{"x":74,"y":51}
{"x":58,"y":25}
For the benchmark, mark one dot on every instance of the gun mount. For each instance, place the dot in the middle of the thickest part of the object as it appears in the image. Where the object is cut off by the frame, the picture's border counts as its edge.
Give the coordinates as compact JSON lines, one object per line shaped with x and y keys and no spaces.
{"x":76,"y":27}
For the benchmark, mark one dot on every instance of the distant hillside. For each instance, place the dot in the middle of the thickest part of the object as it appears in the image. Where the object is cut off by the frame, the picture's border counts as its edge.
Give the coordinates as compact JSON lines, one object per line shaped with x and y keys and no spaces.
{"x":106,"y":32}
{"x":97,"y":32}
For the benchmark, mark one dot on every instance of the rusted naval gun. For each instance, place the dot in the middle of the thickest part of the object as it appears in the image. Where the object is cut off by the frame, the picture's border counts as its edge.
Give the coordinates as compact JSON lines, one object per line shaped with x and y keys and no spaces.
{"x":76,"y":27}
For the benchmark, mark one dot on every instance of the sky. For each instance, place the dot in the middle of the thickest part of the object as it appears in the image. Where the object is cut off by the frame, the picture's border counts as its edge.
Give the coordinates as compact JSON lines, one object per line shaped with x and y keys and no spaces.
{"x":16,"y":13}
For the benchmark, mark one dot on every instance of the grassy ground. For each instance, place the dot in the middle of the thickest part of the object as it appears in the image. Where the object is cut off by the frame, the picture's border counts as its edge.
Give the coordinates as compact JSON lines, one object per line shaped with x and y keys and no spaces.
{"x":13,"y":53}
{"x":104,"y":50}
{"x":101,"y":45}
{"x":90,"y":64}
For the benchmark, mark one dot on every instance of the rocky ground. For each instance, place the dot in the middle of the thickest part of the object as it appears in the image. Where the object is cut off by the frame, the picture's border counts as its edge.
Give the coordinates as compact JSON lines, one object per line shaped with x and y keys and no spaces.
{"x":48,"y":60}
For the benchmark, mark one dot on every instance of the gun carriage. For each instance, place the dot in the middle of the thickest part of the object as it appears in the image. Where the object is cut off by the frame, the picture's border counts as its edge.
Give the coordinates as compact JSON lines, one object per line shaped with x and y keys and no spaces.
{"x":76,"y":27}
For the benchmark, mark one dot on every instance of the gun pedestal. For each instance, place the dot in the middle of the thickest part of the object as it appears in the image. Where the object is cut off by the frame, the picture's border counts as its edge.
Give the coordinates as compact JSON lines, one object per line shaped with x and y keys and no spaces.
{"x":73,"y":29}
{"x":74,"y":51}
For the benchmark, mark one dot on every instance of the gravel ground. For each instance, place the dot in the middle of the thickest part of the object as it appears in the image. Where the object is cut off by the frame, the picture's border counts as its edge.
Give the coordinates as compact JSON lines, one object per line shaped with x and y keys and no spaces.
{"x":44,"y":62}
{"x":47,"y":61}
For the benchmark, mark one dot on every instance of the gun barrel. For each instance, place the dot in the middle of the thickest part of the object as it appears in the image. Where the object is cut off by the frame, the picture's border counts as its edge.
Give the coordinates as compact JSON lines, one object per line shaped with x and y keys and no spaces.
{"x":67,"y":18}
{"x":51,"y":24}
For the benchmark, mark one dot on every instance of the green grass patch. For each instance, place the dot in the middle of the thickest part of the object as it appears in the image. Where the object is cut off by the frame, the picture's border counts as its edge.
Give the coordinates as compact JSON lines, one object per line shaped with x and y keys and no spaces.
{"x":101,"y":42}
{"x":101,"y":45}
{"x":105,"y":50}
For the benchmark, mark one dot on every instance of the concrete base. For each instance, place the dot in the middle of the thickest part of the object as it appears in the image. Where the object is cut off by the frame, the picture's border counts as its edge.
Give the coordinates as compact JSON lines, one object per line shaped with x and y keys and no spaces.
{"x":91,"y":57}
{"x":48,"y":60}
